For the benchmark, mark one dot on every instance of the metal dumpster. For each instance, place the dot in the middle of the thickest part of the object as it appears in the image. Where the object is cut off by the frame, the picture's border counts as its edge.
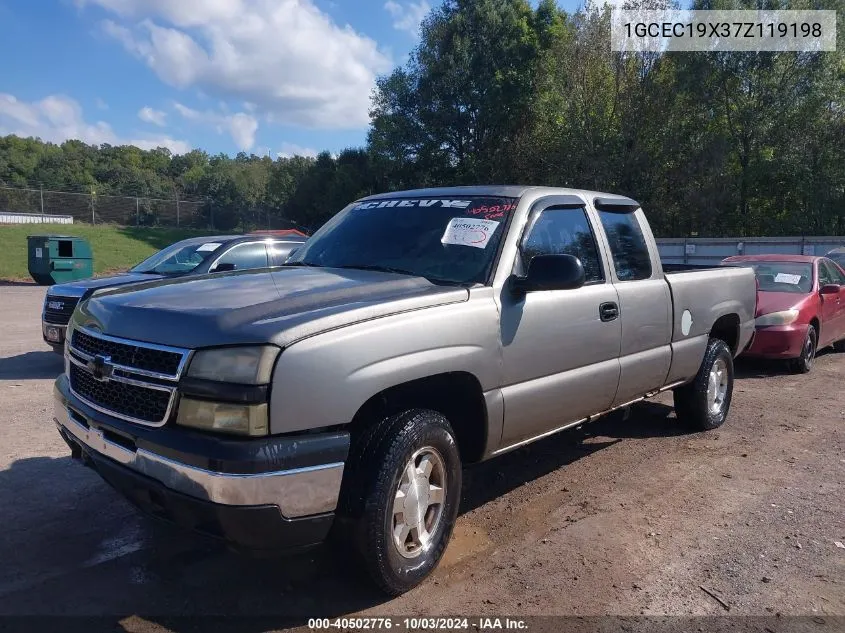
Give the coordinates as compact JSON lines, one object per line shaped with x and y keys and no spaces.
{"x":59,"y":258}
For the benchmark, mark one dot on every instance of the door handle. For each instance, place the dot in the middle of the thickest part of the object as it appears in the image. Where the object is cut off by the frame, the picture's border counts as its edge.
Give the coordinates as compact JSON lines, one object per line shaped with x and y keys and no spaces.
{"x":608,"y":311}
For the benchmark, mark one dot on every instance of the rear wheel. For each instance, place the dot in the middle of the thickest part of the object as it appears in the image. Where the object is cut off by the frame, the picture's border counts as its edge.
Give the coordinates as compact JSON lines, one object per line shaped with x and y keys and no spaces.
{"x":704,"y":403}
{"x":804,"y":363}
{"x":401,"y":500}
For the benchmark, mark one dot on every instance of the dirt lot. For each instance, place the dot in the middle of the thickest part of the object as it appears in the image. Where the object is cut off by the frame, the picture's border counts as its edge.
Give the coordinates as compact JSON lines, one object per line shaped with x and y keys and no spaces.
{"x":623,"y":517}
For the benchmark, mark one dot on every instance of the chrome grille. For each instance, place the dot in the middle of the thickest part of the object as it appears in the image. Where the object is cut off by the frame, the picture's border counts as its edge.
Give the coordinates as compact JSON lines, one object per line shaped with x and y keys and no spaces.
{"x":138,"y":403}
{"x":57,"y":310}
{"x":130,"y":380}
{"x":129,"y":354}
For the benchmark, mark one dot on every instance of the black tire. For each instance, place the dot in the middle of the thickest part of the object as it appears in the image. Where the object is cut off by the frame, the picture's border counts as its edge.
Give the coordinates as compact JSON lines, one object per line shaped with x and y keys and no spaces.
{"x":693,"y":404}
{"x":804,"y":363}
{"x":375,"y":469}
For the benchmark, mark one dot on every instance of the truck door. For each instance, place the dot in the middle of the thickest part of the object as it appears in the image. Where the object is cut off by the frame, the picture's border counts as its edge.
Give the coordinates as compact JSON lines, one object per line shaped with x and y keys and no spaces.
{"x":645,"y":302}
{"x":560,"y":347}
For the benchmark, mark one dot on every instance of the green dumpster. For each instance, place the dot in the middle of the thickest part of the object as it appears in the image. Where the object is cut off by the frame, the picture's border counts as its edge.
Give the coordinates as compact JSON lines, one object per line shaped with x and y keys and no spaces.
{"x":56,"y":259}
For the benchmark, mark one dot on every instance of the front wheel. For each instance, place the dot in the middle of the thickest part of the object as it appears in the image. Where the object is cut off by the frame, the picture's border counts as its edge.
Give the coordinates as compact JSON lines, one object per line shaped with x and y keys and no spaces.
{"x":409,"y":489}
{"x":804,"y":363}
{"x":703,"y":404}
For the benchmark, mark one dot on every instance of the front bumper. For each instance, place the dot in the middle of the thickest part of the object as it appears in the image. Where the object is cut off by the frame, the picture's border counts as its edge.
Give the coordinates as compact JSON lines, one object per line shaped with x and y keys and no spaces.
{"x":271,"y":493}
{"x":778,"y":341}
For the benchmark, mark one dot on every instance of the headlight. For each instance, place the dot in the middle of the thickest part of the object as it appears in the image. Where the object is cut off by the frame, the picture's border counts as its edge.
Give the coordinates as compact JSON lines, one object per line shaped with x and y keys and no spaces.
{"x":241,"y":419}
{"x":241,"y":365}
{"x":785,"y":317}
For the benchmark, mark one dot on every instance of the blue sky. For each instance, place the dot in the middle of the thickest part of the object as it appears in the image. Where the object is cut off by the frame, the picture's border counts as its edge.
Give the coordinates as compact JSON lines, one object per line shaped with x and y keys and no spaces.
{"x":262,"y":76}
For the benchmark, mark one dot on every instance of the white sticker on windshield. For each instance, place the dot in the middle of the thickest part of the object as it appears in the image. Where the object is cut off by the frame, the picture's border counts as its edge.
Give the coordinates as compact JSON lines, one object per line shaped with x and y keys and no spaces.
{"x":786,"y":278}
{"x":469,"y":232}
{"x":210,"y":246}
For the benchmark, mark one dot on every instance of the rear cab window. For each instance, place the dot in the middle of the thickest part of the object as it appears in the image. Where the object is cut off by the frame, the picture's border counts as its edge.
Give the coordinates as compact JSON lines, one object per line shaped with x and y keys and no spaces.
{"x":628,"y":247}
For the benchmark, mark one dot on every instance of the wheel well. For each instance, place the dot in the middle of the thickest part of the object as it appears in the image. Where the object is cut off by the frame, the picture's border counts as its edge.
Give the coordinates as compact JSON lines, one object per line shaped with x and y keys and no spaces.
{"x":815,"y":323}
{"x":726,"y":328}
{"x":456,"y":395}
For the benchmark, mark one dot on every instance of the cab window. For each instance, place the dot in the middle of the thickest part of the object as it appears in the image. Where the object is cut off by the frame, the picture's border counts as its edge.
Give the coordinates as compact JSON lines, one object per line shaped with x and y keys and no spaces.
{"x":836,"y":275}
{"x":243,"y":257}
{"x":564,"y":231}
{"x":825,"y":276}
{"x":627,"y":245}
{"x":280,"y":251}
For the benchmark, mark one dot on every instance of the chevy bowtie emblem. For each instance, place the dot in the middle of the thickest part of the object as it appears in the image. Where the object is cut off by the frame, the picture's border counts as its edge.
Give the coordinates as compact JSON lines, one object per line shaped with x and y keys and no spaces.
{"x":101,"y":367}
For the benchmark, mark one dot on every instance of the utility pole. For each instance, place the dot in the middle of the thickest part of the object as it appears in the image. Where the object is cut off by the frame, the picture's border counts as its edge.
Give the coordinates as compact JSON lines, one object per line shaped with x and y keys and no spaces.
{"x":177,"y":209}
{"x":93,"y":195}
{"x":137,"y":212}
{"x":42,"y":203}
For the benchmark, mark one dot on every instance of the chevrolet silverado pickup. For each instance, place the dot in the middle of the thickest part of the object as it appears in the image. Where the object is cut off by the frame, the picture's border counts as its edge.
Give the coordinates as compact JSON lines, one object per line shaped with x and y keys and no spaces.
{"x":339,"y":396}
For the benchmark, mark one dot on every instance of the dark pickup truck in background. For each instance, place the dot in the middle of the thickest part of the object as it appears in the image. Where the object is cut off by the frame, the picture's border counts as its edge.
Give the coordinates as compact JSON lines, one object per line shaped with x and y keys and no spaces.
{"x":193,"y":256}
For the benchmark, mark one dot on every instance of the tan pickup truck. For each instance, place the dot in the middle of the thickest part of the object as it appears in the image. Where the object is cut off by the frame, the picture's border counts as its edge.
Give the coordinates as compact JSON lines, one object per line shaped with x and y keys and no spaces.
{"x":417,"y":331}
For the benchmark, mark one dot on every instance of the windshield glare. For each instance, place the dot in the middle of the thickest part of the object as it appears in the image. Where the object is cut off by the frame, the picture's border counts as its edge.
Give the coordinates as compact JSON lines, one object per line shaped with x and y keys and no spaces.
{"x":443,"y":240}
{"x":783,"y":276}
{"x":179,"y":258}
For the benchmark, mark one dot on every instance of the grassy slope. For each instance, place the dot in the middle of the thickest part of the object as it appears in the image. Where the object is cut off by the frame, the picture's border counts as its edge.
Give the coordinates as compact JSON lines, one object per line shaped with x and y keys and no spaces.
{"x":115,"y":247}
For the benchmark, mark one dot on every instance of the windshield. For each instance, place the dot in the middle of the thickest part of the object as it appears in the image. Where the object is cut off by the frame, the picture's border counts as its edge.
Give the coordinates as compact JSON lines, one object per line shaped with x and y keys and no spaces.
{"x":179,"y":258}
{"x":443,"y":240}
{"x":783,"y":276}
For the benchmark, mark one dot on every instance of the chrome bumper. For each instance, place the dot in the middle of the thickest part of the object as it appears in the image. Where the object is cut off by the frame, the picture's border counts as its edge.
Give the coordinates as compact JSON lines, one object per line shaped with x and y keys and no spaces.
{"x":297,"y":493}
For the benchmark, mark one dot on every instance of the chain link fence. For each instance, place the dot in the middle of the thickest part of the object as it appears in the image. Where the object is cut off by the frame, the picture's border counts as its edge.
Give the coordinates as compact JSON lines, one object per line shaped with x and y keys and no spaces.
{"x":91,"y":208}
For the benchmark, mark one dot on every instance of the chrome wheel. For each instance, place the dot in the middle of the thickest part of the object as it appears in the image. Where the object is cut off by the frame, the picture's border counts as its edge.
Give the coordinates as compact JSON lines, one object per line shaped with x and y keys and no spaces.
{"x":717,"y":388}
{"x":418,"y":503}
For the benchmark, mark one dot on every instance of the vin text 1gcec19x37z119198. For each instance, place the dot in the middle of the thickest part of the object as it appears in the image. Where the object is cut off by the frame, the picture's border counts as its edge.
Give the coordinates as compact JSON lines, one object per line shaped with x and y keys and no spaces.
{"x":415,"y":332}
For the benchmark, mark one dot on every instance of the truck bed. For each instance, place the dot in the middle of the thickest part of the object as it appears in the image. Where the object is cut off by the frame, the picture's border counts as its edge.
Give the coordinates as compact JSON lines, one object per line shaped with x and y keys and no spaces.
{"x":700,"y":297}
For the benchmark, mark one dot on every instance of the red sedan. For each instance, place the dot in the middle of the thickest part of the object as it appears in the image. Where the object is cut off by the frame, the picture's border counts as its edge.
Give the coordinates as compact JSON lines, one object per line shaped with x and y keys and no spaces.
{"x":800,"y":307}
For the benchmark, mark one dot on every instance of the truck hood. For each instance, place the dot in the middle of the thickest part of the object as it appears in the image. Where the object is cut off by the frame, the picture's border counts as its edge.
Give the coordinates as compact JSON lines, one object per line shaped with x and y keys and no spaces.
{"x":84,"y":287}
{"x":249,"y":307}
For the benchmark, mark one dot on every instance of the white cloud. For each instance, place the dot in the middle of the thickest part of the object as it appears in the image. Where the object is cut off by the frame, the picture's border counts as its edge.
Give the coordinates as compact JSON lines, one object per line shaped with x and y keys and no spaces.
{"x":58,"y":118}
{"x":241,"y":126}
{"x":286,"y":57}
{"x":408,"y":17}
{"x":289,"y":150}
{"x":156,"y":117}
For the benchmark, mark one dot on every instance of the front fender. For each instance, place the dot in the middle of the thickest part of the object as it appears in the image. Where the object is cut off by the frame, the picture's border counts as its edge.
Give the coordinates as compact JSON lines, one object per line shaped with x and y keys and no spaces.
{"x":324,"y":380}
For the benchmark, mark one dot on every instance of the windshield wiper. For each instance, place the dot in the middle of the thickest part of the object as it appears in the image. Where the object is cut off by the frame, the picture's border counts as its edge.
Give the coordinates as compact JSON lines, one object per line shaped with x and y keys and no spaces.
{"x":381,"y":269}
{"x":400,"y":271}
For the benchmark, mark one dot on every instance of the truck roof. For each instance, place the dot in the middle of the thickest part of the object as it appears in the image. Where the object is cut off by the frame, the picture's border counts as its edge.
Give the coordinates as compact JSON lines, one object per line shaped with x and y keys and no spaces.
{"x":509,"y":191}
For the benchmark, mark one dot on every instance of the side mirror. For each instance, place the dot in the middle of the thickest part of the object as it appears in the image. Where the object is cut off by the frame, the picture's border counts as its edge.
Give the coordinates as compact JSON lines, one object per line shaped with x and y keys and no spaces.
{"x":223,"y":268}
{"x":550,"y":272}
{"x":830,"y":289}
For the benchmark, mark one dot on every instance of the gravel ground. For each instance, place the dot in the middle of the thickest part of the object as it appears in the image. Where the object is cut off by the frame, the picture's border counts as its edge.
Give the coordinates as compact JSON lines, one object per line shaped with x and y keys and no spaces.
{"x":625,"y":516}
